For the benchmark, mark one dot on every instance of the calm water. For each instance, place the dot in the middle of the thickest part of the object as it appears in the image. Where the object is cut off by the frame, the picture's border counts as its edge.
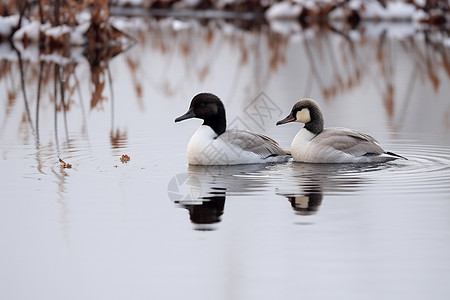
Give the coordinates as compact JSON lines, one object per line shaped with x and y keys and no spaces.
{"x":154,"y":228}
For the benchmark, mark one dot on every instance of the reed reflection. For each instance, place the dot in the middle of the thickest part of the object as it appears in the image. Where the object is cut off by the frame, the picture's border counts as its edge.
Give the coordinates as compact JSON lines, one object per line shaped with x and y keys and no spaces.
{"x":49,"y":84}
{"x":50,"y":81}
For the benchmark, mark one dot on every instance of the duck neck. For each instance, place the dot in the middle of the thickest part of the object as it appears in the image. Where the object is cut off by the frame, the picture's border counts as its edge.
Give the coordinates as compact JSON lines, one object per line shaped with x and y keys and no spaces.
{"x":316,"y":124}
{"x":217,"y":122}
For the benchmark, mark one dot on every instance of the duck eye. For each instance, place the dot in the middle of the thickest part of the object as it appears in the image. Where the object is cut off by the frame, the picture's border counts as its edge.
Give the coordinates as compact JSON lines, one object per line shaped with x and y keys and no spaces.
{"x":202,"y":105}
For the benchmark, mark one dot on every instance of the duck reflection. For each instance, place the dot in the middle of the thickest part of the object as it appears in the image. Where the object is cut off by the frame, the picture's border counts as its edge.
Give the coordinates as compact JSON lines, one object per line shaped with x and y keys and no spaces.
{"x":307,"y":184}
{"x":203,"y":189}
{"x":207,"y":187}
{"x":307,"y":203}
{"x":308,"y":181}
{"x":208,"y":210}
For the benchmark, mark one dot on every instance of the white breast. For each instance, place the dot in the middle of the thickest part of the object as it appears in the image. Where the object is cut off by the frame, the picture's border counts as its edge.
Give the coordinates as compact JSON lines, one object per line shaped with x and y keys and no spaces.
{"x":299,"y":146}
{"x":198,"y":145}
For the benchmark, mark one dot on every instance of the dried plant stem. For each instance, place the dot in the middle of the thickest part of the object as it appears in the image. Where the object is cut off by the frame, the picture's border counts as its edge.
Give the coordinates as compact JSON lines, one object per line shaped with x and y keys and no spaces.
{"x":38,"y":100}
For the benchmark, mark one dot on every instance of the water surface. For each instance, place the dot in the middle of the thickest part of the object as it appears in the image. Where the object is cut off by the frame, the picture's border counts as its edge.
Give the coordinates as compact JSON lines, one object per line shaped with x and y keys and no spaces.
{"x":156,"y":228}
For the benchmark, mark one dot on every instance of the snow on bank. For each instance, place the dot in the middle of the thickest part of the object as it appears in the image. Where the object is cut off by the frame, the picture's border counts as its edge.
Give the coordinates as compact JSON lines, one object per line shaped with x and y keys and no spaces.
{"x":283,"y":10}
{"x":33,"y":31}
{"x":367,"y":10}
{"x":30,"y":31}
{"x":7,"y":24}
{"x":373,"y":10}
{"x":126,"y":24}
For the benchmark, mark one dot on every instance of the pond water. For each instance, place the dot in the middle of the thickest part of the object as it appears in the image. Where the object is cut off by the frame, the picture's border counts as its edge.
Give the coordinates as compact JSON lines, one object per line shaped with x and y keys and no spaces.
{"x":156,"y":228}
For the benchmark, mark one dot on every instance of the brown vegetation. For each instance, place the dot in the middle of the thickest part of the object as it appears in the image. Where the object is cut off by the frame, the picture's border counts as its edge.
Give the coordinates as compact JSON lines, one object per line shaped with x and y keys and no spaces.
{"x":63,"y":12}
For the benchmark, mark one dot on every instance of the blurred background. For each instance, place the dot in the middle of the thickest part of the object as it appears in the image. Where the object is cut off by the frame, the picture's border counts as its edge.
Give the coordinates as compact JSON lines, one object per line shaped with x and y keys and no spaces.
{"x":96,"y":197}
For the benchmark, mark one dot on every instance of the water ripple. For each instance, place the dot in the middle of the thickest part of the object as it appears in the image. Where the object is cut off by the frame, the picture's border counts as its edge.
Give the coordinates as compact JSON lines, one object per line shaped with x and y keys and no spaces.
{"x":427,"y":170}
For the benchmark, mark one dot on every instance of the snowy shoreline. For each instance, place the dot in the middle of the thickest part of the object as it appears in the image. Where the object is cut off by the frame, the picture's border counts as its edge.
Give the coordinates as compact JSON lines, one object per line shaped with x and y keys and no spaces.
{"x":285,"y":17}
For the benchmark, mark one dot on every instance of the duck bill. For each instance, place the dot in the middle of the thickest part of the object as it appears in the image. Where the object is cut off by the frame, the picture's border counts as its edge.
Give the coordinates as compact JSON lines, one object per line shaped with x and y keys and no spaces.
{"x":288,"y":119}
{"x":190,"y":114}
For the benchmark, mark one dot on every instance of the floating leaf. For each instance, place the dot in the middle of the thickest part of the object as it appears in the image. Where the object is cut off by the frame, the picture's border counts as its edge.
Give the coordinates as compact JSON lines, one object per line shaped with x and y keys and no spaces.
{"x":64,"y":164}
{"x":125,"y":158}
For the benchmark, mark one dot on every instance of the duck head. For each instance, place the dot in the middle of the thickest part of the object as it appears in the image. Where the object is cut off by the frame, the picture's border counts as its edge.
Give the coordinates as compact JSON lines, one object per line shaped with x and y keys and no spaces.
{"x":210,"y":109}
{"x":306,"y":111}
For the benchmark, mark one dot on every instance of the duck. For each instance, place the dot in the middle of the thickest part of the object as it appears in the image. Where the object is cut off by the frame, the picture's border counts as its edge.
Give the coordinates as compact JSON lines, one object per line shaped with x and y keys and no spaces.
{"x":316,"y":144}
{"x":213,"y":144}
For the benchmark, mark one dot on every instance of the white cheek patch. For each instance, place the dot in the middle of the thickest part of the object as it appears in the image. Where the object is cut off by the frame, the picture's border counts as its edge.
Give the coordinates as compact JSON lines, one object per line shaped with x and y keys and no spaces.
{"x":303,"y":116}
{"x":302,"y":202}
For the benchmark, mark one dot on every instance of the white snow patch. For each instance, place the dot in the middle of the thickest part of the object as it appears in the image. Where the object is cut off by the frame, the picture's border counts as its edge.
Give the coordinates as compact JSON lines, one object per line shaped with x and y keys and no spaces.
{"x":77,"y":36}
{"x":126,"y":24}
{"x":372,"y":9}
{"x":178,"y":25}
{"x":283,"y":10}
{"x":31,"y":30}
{"x":337,"y":14}
{"x":419,"y":15}
{"x":83,"y":17}
{"x":7,"y":24}
{"x":310,"y":4}
{"x":58,"y":31}
{"x":399,"y":10}
{"x":395,"y":10}
{"x":421,"y":2}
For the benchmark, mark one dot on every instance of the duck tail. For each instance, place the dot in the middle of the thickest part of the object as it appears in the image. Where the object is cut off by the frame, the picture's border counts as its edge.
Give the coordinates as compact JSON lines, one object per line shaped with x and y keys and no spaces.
{"x":396,"y":155}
